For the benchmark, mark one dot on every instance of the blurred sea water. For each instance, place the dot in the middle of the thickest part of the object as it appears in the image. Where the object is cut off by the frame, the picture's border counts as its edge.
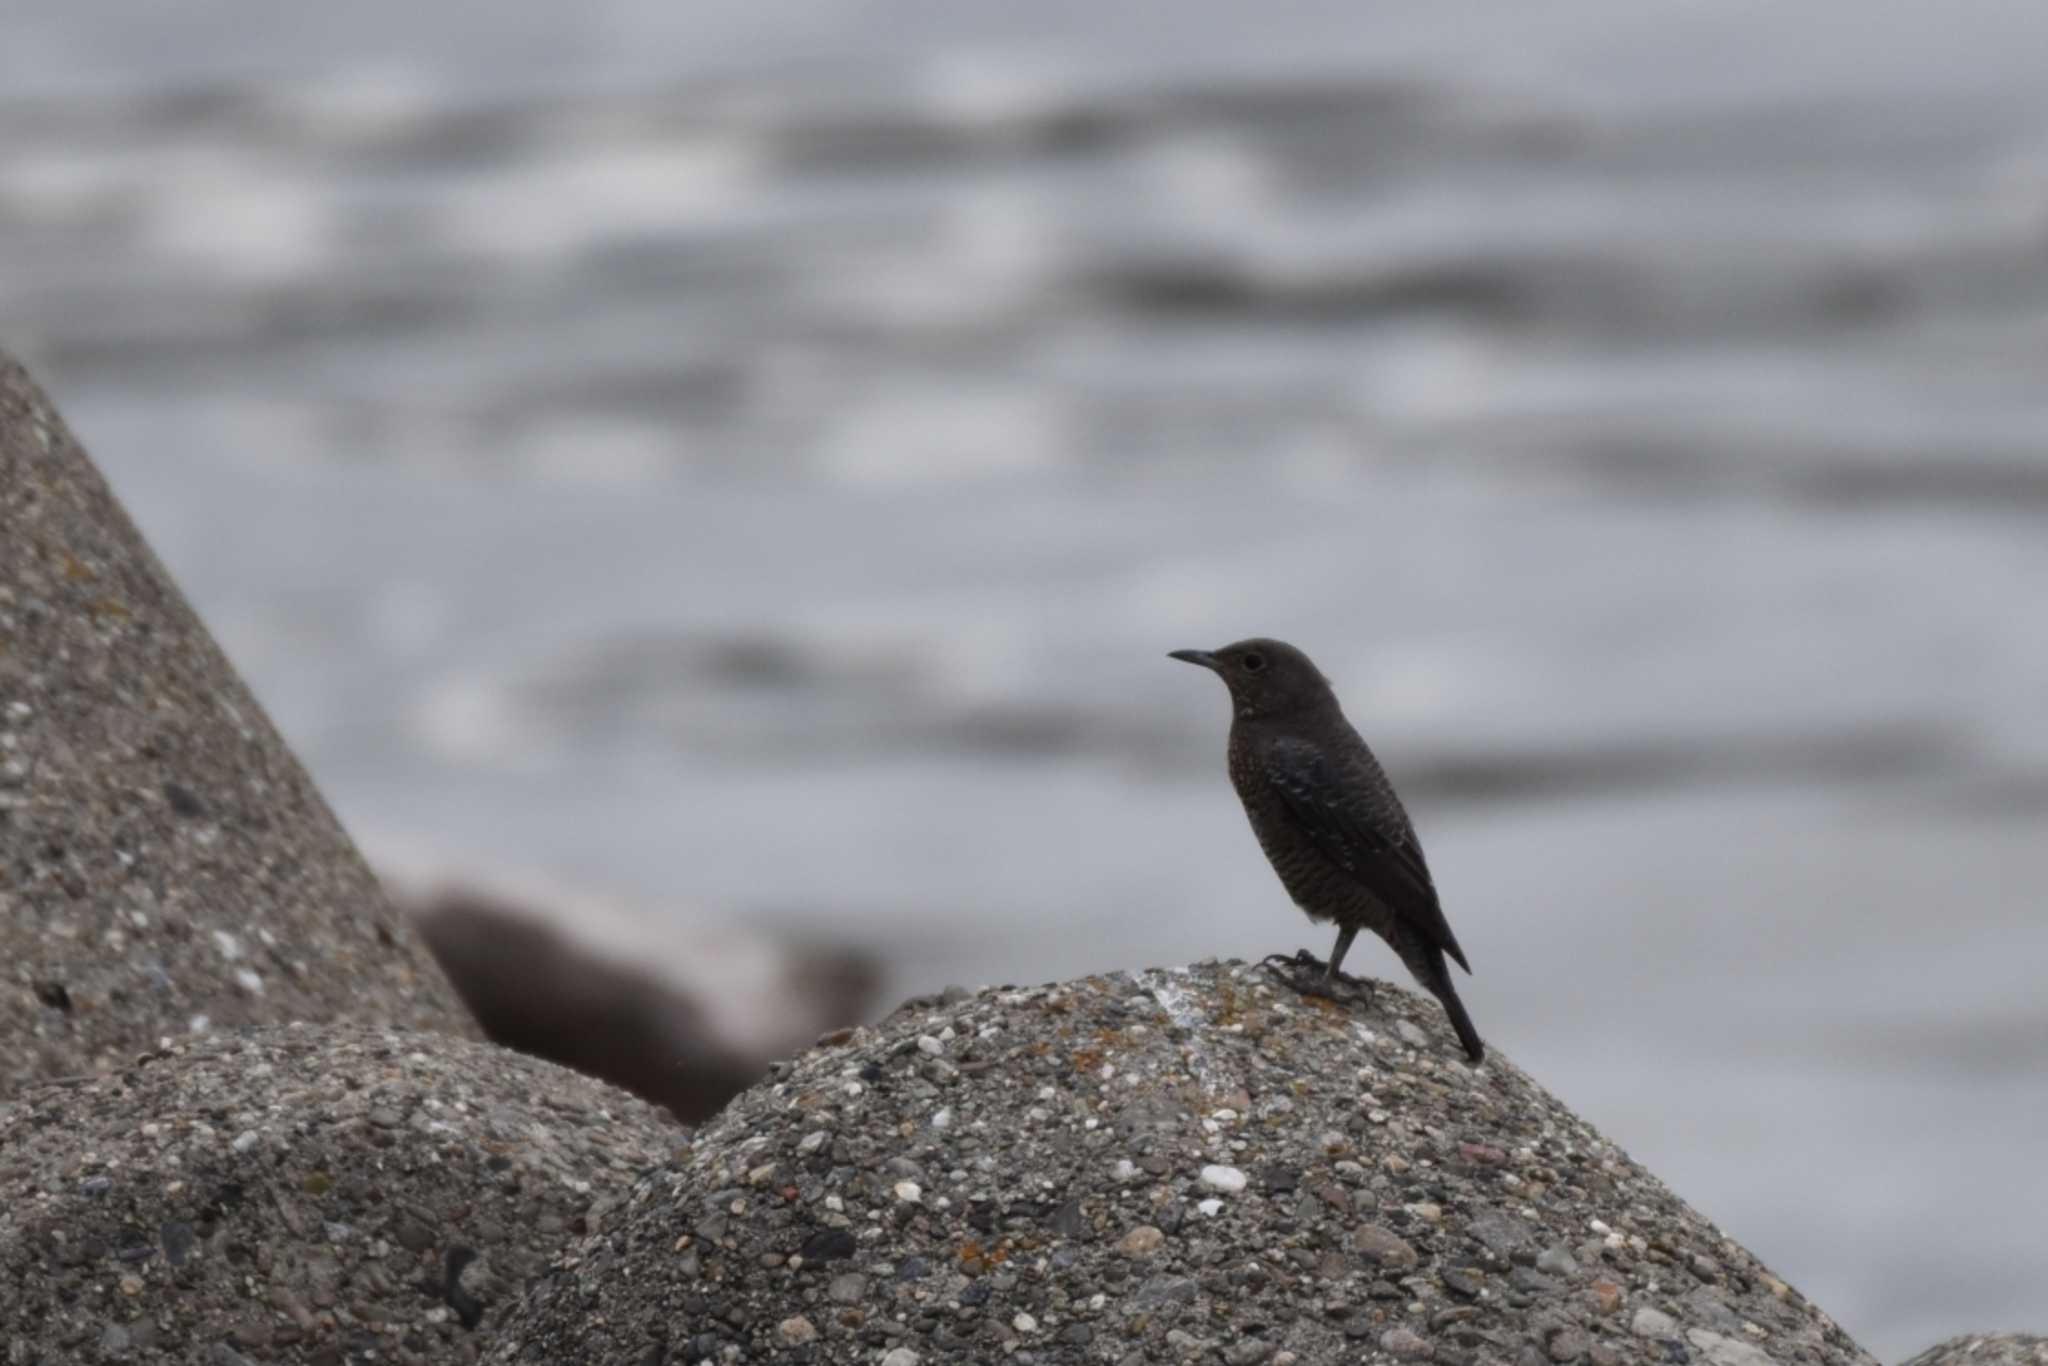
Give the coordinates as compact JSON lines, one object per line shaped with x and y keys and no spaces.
{"x":757,"y":457}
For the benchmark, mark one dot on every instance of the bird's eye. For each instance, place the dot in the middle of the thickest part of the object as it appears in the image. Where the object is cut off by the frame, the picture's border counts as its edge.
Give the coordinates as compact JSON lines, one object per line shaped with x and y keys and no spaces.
{"x":1253,"y":662}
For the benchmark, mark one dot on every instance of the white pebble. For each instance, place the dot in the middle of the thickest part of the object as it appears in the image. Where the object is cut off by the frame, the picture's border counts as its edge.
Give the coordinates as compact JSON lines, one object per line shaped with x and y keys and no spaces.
{"x":909,"y":1192}
{"x":1229,"y":1180}
{"x":942,"y":1119}
{"x":927,"y":1044}
{"x":1024,"y":1323}
{"x":1211,"y":1207}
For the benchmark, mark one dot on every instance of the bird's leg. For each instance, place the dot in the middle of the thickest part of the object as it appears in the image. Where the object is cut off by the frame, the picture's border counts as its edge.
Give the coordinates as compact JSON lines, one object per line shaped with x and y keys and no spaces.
{"x":1335,"y":976}
{"x":1345,"y":934}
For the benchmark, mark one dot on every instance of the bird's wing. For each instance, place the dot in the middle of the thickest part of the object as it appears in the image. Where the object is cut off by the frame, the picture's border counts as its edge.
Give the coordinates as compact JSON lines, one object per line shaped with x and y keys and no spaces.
{"x":1353,"y":818}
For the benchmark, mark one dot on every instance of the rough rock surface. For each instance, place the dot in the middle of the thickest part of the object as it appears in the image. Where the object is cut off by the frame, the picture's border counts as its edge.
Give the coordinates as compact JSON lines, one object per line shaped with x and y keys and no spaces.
{"x":162,"y":857}
{"x":1986,"y":1349}
{"x":310,"y":1194}
{"x":1176,"y":1166}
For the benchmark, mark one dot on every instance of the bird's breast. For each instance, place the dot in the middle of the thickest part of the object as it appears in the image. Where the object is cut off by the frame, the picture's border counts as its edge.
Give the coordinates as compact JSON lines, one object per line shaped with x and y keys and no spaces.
{"x":1314,"y":883}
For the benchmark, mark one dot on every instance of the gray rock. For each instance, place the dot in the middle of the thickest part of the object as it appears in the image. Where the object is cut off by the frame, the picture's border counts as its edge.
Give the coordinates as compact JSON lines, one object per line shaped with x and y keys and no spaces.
{"x":1500,"y":1233}
{"x":1406,"y":1342}
{"x":1653,"y":1323}
{"x":1567,"y":1343}
{"x":672,"y":1014}
{"x":1726,"y":1351}
{"x":1987,"y":1349}
{"x":1384,"y":1247}
{"x":1187,"y":1064}
{"x":165,"y":863}
{"x":331,"y":1235}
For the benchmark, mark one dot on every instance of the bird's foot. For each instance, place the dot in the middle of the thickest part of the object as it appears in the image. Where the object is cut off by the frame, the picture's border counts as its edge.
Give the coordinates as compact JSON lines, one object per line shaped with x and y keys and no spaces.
{"x":1310,"y":976}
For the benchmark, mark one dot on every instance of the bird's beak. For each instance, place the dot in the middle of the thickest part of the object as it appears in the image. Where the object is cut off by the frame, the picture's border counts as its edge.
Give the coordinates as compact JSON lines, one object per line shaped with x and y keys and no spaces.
{"x":1201,"y":657}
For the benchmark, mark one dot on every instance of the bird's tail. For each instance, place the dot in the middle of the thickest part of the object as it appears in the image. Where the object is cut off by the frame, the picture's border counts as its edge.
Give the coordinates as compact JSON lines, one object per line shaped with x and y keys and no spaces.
{"x":1439,"y":984}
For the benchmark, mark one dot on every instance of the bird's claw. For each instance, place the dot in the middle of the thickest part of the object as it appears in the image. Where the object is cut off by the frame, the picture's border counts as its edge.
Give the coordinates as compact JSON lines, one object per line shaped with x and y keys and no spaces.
{"x":1310,"y":976}
{"x":1296,"y":961}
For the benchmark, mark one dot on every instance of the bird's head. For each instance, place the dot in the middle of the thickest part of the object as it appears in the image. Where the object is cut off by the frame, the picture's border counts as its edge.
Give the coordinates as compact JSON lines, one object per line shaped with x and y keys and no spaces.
{"x":1265,"y":677}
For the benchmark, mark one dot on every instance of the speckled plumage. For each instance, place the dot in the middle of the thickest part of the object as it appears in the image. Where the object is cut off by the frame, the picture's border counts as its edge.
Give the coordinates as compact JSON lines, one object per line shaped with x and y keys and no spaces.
{"x":1328,"y":819}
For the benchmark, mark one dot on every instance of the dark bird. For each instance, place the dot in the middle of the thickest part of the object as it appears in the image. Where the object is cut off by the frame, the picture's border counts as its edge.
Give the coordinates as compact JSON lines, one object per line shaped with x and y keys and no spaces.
{"x":1329,"y":821}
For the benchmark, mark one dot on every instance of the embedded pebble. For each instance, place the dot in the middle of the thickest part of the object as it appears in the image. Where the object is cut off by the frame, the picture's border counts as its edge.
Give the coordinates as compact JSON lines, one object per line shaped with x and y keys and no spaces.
{"x":1385,"y":1247}
{"x":1462,"y":1283}
{"x":1406,"y":1342}
{"x":1141,"y":1241}
{"x":1229,"y":1180}
{"x":1567,"y":1344}
{"x":1652,"y":1323}
{"x":1727,"y":1351}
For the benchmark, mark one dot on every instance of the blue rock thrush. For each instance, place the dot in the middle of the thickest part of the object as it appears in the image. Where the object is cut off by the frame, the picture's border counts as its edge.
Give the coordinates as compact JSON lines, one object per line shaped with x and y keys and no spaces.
{"x":1329,"y":821}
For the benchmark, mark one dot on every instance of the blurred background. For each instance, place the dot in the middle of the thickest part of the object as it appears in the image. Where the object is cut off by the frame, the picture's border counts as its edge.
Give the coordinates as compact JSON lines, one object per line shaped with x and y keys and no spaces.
{"x":746,"y":463}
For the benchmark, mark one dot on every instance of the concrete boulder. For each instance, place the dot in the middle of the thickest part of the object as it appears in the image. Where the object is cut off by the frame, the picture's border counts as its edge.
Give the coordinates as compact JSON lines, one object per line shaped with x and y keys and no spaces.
{"x":1986,"y":1349}
{"x":1193,"y":1164}
{"x":682,"y":1012}
{"x":165,"y":864}
{"x":310,"y":1194}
